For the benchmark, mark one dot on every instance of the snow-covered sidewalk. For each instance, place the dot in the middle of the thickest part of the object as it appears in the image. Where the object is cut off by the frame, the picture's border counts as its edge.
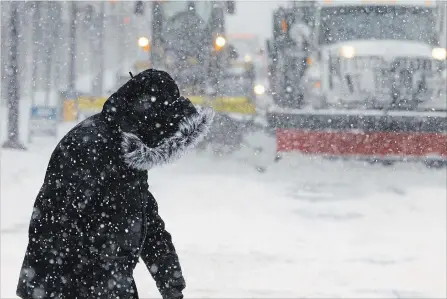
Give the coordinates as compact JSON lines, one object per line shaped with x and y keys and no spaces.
{"x":305,"y":228}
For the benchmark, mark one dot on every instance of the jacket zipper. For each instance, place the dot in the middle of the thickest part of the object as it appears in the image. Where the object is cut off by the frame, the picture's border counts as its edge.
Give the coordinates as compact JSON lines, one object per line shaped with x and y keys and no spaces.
{"x":143,"y":213}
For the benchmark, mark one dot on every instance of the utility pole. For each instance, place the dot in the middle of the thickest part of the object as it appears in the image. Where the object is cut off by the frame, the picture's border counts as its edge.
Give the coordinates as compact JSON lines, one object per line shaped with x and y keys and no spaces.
{"x":102,"y":31}
{"x":13,"y":141}
{"x":50,"y":39}
{"x":58,"y":45}
{"x":36,"y":38}
{"x":72,"y":50}
{"x":121,"y":33}
{"x":98,"y":84}
{"x":156,"y":28}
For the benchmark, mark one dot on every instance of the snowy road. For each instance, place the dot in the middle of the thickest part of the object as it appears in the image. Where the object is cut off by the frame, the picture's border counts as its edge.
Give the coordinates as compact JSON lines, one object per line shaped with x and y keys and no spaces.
{"x":305,"y":228}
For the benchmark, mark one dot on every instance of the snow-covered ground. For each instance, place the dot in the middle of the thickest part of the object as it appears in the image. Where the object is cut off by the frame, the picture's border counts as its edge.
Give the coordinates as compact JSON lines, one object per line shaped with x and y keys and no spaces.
{"x":304,"y":228}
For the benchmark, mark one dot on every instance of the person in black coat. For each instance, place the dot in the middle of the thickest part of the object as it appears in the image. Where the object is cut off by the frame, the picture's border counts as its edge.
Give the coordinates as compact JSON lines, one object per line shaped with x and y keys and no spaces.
{"x":94,"y":216}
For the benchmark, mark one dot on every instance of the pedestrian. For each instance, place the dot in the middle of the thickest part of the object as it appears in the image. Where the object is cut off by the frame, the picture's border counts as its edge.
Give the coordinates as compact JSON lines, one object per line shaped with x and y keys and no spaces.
{"x":94,"y":216}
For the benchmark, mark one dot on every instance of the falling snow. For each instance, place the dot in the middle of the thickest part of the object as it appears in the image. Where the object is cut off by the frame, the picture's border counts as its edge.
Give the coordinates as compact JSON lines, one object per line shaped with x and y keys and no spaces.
{"x":223,"y":149}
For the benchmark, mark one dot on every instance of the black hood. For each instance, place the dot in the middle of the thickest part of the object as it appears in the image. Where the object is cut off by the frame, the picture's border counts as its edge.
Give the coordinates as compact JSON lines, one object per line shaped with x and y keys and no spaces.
{"x":156,"y":123}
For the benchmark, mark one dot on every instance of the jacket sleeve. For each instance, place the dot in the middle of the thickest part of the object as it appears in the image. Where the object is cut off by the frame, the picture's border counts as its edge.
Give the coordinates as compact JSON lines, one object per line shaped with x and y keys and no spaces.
{"x":159,"y":254}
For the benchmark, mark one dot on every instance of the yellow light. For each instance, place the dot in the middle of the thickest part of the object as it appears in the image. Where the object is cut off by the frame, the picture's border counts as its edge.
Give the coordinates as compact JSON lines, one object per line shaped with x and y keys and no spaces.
{"x":247,"y":58}
{"x":259,"y":89}
{"x":220,"y":42}
{"x":439,"y":53}
{"x":284,"y":26}
{"x":143,"y":42}
{"x":309,"y":60}
{"x":347,"y":51}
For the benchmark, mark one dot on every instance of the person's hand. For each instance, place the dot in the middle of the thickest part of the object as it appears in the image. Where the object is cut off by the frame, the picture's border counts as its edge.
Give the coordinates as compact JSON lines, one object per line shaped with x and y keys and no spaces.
{"x":174,"y":288}
{"x":172,"y":294}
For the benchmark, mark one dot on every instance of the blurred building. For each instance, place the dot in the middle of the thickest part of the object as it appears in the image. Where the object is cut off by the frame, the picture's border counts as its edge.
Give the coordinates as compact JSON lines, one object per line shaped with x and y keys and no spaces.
{"x":45,"y":41}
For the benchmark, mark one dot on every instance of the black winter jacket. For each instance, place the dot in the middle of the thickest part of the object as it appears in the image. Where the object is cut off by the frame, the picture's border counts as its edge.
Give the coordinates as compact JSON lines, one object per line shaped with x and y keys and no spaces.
{"x":94,"y":216}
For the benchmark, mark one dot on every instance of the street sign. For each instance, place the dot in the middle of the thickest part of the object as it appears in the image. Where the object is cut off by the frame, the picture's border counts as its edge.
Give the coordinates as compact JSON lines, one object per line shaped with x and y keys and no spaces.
{"x":43,"y":121}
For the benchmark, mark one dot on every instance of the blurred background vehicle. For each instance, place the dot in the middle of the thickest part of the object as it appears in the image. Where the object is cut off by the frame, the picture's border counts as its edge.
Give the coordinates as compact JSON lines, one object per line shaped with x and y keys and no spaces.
{"x":289,"y":51}
{"x":188,"y":38}
{"x":344,"y":81}
{"x":325,"y":67}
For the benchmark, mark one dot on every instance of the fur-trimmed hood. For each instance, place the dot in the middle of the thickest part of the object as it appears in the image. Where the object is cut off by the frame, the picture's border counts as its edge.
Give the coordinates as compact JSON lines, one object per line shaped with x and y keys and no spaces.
{"x":156,"y":124}
{"x":191,"y":131}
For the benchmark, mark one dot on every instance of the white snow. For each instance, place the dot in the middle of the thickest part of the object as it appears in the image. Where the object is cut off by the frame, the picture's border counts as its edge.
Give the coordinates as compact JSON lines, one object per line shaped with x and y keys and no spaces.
{"x":305,"y":228}
{"x":310,"y":111}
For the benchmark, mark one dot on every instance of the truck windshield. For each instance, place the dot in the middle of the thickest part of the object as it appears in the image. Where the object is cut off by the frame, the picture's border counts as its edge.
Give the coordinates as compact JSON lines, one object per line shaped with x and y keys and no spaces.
{"x":340,"y":24}
{"x":185,"y":27}
{"x":201,"y":8}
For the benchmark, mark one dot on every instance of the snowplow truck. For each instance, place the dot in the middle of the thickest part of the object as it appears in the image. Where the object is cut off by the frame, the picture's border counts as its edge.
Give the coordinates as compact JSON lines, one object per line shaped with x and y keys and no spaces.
{"x":189,"y":42}
{"x":288,"y":53}
{"x":188,"y":38}
{"x":375,"y":84}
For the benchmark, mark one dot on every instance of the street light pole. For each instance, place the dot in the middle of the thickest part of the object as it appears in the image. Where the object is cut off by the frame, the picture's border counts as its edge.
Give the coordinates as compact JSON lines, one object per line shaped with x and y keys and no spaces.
{"x":102,"y":31}
{"x":58,"y":46}
{"x":49,"y":45}
{"x":98,"y":42}
{"x":13,"y":141}
{"x":37,"y":39}
{"x":72,"y":50}
{"x":121,"y":34}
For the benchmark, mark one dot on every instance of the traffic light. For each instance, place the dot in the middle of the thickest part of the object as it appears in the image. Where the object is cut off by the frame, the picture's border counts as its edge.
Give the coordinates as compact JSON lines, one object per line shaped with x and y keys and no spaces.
{"x":139,"y":8}
{"x":231,"y":7}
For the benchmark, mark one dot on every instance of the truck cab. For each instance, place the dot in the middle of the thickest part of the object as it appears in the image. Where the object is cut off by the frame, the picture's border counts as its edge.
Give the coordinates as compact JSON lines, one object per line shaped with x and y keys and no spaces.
{"x":376,"y":55}
{"x":288,"y":52}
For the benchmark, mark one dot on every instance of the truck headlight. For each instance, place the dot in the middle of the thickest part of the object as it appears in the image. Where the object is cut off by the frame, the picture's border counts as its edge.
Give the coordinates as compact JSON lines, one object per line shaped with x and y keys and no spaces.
{"x":143,"y":42}
{"x":259,"y":89}
{"x":347,"y":51}
{"x":439,"y":53}
{"x":219,"y":43}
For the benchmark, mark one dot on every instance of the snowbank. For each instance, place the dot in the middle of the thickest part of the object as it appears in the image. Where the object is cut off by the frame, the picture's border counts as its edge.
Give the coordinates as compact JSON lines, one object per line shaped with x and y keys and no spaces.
{"x":305,"y":228}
